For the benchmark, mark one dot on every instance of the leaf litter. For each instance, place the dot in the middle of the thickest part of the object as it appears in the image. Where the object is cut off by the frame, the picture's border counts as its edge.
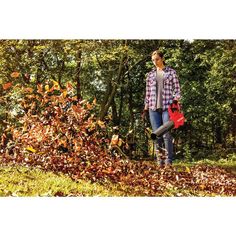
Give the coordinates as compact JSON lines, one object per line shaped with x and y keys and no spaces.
{"x":61,"y":135}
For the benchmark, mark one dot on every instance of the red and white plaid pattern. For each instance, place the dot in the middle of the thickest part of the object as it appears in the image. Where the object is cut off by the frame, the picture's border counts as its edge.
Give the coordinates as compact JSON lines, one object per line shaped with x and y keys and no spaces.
{"x":171,"y":88}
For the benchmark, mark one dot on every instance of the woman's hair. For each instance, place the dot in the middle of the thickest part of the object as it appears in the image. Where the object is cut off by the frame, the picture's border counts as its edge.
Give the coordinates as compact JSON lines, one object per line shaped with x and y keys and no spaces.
{"x":159,"y":53}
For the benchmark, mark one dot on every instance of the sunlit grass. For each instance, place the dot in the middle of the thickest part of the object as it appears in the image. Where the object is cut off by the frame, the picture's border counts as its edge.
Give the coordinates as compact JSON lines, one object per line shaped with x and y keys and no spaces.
{"x":22,"y":181}
{"x":228,"y":164}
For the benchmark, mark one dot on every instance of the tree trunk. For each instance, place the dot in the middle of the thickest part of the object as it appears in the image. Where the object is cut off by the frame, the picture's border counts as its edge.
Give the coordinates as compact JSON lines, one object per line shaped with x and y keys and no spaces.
{"x":104,"y":109}
{"x":130,"y":101}
{"x":115,"y":118}
{"x":78,"y":69}
{"x":233,"y":125}
{"x":218,"y":134}
{"x":106,"y":97}
{"x":121,"y":105}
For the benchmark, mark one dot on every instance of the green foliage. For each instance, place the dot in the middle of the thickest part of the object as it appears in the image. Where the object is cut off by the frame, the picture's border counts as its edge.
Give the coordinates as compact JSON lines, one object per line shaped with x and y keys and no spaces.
{"x":206,"y":69}
{"x":187,"y":152}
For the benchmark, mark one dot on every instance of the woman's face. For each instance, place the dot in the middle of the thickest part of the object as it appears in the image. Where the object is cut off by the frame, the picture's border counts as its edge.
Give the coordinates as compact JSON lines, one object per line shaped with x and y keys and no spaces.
{"x":157,"y":60}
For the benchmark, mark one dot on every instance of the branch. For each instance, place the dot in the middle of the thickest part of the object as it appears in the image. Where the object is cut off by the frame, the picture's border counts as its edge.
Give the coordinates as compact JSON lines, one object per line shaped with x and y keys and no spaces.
{"x":133,"y":66}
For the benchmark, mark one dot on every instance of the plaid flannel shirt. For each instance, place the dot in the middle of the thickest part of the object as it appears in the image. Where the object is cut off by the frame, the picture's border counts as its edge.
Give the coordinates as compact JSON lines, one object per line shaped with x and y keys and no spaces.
{"x":171,"y":88}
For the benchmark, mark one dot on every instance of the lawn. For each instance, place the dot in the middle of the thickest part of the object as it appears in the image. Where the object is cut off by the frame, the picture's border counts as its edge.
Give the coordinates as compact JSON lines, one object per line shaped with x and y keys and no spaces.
{"x":17,"y":180}
{"x":29,"y":181}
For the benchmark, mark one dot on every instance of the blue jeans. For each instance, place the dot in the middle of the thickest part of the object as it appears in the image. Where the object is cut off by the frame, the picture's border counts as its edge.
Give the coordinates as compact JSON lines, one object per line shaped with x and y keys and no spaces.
{"x":157,"y":119}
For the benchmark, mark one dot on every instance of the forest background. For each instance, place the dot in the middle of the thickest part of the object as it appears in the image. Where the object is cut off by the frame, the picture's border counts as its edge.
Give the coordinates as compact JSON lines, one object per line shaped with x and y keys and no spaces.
{"x":112,"y":73}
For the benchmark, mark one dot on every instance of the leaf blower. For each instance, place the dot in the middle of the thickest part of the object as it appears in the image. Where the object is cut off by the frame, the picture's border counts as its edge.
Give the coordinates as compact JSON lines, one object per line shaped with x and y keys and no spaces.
{"x":176,"y":119}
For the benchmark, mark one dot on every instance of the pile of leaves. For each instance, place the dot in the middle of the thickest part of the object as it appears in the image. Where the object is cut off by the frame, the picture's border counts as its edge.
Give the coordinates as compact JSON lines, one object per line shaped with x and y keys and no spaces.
{"x":59,"y":134}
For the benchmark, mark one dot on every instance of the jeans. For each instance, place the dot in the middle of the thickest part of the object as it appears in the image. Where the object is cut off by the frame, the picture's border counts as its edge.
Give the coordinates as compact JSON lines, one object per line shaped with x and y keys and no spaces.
{"x":157,"y":118}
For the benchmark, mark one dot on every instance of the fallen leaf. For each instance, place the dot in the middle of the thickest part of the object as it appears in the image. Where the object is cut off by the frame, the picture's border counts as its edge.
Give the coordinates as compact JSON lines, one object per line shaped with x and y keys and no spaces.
{"x":188,"y":169}
{"x":46,"y":87}
{"x":15,"y":74}
{"x":31,"y":149}
{"x":101,"y":124}
{"x":202,"y":186}
{"x":7,"y":85}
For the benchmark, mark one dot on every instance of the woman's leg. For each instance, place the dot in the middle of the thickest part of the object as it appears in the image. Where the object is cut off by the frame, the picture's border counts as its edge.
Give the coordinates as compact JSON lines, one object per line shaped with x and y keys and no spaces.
{"x":156,"y":122}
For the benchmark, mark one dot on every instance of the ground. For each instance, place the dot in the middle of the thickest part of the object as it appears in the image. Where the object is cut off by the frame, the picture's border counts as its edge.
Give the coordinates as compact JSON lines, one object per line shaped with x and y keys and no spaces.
{"x":17,"y":180}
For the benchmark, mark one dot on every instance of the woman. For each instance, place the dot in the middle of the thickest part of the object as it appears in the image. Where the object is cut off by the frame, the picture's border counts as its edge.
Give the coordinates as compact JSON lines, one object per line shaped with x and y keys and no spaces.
{"x":162,"y":89}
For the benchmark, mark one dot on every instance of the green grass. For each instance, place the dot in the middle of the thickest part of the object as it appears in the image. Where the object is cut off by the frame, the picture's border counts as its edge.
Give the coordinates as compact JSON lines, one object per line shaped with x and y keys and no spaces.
{"x":228,"y":164}
{"x":28,"y":181}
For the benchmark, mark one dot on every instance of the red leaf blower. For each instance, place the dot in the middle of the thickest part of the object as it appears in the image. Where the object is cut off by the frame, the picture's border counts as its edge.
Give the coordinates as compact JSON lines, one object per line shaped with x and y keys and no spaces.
{"x":176,"y":119}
